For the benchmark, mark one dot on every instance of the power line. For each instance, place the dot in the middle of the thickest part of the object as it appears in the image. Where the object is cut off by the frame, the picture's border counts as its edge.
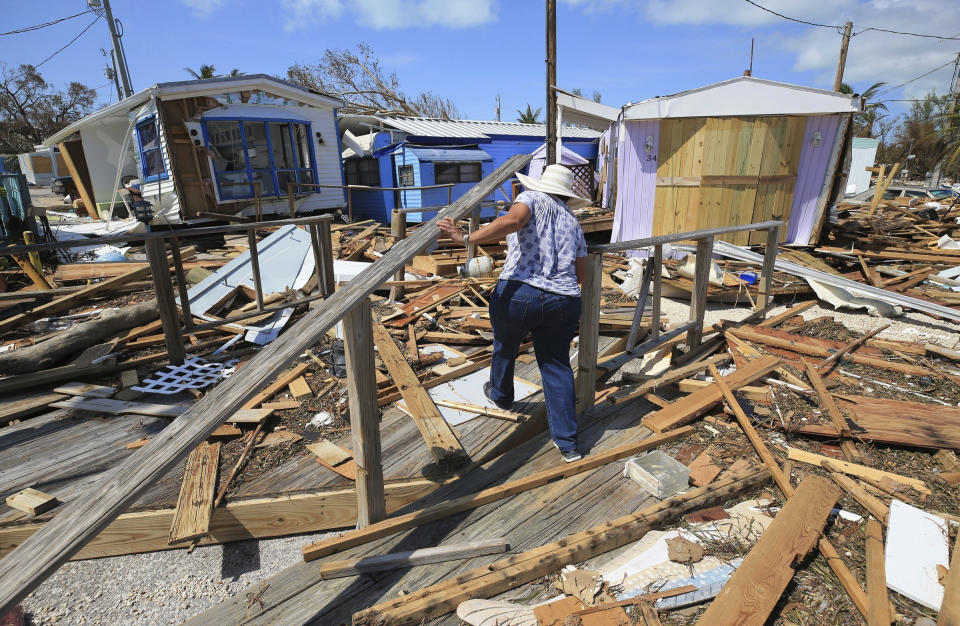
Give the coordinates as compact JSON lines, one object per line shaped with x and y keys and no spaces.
{"x":939,"y":67}
{"x":44,"y":25}
{"x":59,"y":50}
{"x":838,"y":27}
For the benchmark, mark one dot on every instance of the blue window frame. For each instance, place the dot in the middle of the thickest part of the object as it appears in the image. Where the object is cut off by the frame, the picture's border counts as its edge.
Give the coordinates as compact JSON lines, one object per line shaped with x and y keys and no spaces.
{"x":151,"y":156}
{"x":273,"y":152}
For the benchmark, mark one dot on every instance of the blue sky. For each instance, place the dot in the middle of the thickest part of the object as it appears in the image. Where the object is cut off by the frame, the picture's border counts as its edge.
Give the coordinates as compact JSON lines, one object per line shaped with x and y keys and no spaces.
{"x":471,"y":50}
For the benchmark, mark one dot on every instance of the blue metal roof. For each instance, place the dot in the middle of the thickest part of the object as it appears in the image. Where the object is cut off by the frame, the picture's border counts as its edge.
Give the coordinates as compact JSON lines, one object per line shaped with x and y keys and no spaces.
{"x":440,"y":155}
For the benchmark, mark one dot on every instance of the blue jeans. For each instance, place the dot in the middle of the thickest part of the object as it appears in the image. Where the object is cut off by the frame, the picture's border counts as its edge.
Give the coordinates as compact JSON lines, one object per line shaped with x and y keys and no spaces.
{"x":516,"y":309}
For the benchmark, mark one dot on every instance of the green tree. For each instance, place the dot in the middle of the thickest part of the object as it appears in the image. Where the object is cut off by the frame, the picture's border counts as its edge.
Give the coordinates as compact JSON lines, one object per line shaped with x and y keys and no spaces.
{"x":530,"y":116}
{"x":864,"y":121}
{"x":206,"y":71}
{"x":31,"y":109}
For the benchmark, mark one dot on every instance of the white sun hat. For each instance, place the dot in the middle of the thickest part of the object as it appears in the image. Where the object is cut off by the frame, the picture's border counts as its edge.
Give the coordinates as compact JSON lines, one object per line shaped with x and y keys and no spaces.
{"x":556,"y":180}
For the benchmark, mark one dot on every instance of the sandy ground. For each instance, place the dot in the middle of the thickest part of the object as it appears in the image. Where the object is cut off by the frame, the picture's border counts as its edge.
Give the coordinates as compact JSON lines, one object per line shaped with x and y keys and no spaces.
{"x":169,"y":587}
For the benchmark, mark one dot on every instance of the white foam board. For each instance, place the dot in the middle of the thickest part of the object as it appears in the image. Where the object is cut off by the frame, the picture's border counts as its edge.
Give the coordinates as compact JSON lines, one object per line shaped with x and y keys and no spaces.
{"x":917,"y":542}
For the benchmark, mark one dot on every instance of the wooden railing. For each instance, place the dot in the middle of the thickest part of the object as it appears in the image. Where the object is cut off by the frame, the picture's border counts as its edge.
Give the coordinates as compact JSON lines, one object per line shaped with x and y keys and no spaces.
{"x":81,"y":519}
{"x":653,"y":272}
{"x":292,"y":187}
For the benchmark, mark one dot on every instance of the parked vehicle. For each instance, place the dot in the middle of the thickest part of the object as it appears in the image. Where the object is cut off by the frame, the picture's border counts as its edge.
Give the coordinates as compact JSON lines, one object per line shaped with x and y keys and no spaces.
{"x":925,"y":194}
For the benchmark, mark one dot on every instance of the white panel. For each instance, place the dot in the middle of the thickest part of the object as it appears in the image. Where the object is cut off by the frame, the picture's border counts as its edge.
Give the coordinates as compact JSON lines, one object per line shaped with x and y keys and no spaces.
{"x":916,"y":544}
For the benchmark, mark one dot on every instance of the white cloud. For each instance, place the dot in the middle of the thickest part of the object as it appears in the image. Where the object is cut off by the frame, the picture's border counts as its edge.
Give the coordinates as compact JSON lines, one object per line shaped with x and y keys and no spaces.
{"x":389,"y":14}
{"x":203,"y":8}
{"x":872,"y":56}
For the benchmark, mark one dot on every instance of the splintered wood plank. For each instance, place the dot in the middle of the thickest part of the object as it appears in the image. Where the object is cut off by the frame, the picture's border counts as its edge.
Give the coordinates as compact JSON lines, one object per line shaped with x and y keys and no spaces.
{"x":555,"y":613}
{"x":796,"y":454}
{"x":32,"y":501}
{"x":191,"y":519}
{"x":280,"y":405}
{"x":438,"y":435}
{"x":118,"y":407}
{"x":329,"y":452}
{"x":877,"y":612}
{"x":282,"y":381}
{"x":26,"y":405}
{"x":756,"y":586}
{"x":300,"y":388}
{"x":86,"y":390}
{"x":249,"y":416}
{"x":688,"y":408}
{"x":850,"y":451}
{"x":423,"y":556}
{"x":950,"y":607}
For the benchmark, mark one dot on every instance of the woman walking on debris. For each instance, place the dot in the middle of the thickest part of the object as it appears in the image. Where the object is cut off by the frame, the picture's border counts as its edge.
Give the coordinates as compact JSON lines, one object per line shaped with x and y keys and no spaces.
{"x":538,"y":292}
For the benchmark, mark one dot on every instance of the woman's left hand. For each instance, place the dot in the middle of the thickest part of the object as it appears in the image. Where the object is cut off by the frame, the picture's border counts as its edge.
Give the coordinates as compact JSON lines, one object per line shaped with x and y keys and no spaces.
{"x":448,"y":226}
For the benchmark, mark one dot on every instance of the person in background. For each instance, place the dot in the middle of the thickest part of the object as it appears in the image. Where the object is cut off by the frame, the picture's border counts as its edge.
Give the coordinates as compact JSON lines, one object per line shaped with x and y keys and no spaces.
{"x":538,"y":292}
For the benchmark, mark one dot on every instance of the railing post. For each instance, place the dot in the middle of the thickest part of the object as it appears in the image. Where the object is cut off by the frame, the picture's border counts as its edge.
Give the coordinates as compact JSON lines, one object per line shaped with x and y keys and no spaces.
{"x":326,"y":280}
{"x":293,"y":206}
{"x":474,"y":225}
{"x":157,"y":257}
{"x":589,"y":334}
{"x":766,"y":275}
{"x":398,"y":228}
{"x":181,"y":284}
{"x":657,"y":284}
{"x":364,"y":414}
{"x":255,"y":266}
{"x":641,"y":305}
{"x":350,"y":204}
{"x":698,"y":297}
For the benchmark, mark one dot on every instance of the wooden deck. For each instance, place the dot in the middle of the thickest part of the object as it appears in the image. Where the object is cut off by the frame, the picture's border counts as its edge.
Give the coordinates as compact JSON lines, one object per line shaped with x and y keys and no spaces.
{"x":527,"y":520}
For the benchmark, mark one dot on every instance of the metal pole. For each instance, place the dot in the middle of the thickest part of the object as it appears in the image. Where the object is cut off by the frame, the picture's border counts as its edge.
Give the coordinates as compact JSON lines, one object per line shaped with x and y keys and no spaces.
{"x":843,"y":55}
{"x":118,"y":50}
{"x":551,"y":81}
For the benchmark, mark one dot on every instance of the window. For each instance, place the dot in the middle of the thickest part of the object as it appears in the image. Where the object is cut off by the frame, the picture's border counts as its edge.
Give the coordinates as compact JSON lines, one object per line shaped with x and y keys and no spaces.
{"x":272,"y":153}
{"x":405,"y":175}
{"x":151,"y":157}
{"x":362,"y":172}
{"x":457,"y":173}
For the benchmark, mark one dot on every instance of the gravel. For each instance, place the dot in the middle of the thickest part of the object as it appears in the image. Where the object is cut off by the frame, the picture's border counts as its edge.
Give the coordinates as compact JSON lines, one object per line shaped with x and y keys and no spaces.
{"x":171,"y":586}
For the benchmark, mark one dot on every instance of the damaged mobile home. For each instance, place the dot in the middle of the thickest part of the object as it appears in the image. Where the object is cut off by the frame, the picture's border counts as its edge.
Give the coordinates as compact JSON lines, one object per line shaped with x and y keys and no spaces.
{"x":230,"y":145}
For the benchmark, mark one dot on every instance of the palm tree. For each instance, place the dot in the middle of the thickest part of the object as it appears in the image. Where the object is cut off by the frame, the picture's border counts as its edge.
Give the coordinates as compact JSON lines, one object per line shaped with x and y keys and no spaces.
{"x":235,"y":72}
{"x":866,"y":118}
{"x":529,"y":116}
{"x":206,"y":71}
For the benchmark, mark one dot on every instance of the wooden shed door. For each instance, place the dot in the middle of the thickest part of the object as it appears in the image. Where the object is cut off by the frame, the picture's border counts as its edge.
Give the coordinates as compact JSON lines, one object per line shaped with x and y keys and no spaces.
{"x":726,"y":171}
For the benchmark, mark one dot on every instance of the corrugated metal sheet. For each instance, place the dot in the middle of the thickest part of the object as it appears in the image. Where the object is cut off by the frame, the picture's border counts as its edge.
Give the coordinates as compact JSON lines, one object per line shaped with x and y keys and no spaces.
{"x":864,"y":156}
{"x":472,"y":129}
{"x":441,"y":155}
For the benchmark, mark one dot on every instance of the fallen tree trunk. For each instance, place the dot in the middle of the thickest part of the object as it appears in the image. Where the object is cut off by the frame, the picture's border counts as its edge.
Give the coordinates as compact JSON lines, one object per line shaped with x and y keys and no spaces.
{"x":76,"y":339}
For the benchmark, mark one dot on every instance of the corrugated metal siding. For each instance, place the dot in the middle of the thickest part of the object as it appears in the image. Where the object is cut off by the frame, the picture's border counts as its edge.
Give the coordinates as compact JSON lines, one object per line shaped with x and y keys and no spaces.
{"x":811,"y":174}
{"x":636,"y":181}
{"x":477,"y":129}
{"x":864,"y":155}
{"x":450,"y":155}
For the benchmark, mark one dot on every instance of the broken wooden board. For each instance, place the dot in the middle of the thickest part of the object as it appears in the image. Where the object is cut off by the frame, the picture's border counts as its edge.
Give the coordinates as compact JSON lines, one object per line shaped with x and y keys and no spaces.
{"x":437,"y":434}
{"x":117,"y":407}
{"x":400,"y":523}
{"x":249,"y":416}
{"x":191,"y":518}
{"x":917,"y":542}
{"x":85,"y":389}
{"x":300,"y":389}
{"x":555,"y":613}
{"x":32,"y":501}
{"x":796,"y":454}
{"x":486,"y":581}
{"x":426,"y":301}
{"x":423,"y":556}
{"x":280,"y":405}
{"x":26,"y":405}
{"x":918,"y":424}
{"x":690,"y":407}
{"x":281,"y":381}
{"x":756,"y":586}
{"x":329,"y":452}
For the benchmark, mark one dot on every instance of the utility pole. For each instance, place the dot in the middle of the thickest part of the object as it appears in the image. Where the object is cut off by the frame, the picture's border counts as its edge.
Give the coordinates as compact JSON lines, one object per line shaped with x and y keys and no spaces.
{"x":948,"y":125}
{"x":551,"y":82}
{"x":110,"y":71}
{"x":498,"y":107}
{"x":749,"y":72}
{"x":843,"y":55}
{"x":122,"y":68}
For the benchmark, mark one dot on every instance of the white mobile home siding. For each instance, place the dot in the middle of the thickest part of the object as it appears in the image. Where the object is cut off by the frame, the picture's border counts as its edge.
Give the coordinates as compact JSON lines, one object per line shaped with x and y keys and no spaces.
{"x":161,"y":194}
{"x":864,"y":154}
